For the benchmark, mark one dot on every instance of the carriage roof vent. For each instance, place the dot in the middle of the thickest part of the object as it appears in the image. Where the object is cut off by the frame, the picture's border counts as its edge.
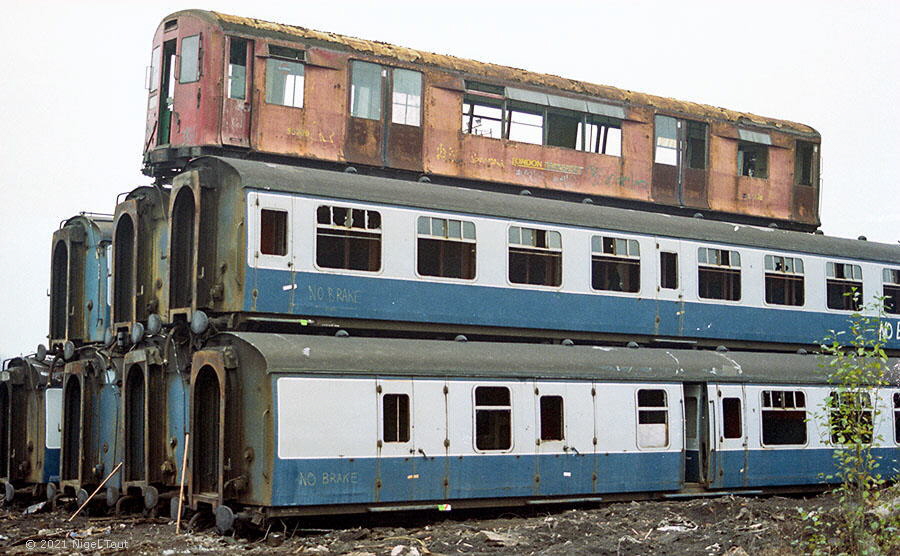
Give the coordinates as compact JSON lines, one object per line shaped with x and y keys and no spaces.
{"x":171,"y":24}
{"x":862,"y":238}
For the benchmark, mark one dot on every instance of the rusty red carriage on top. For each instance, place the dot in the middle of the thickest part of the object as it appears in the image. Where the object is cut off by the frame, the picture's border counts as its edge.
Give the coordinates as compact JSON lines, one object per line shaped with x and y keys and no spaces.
{"x":222,"y":84}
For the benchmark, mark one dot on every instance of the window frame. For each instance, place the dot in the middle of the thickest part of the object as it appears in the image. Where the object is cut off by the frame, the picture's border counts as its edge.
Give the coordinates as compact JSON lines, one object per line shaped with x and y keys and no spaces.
{"x":831,"y":277}
{"x":198,"y":73}
{"x":799,"y":275}
{"x":538,"y":250}
{"x":379,"y":231}
{"x":748,"y":147}
{"x":730,"y":268}
{"x":562,"y":418}
{"x":616,"y":258}
{"x":763,"y":409}
{"x":890,"y":278}
{"x":832,"y":406}
{"x":384,"y":422}
{"x":257,"y":202}
{"x":280,"y":54}
{"x":637,"y":416}
{"x":508,"y":408}
{"x":462,"y":239}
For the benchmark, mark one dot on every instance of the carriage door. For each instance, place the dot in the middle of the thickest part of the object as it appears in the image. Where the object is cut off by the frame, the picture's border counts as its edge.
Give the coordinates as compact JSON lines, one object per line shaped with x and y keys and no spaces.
{"x":728,"y":454}
{"x":696,"y":433}
{"x":385,"y":127}
{"x":166,"y":92}
{"x":680,"y":162}
{"x":669,"y":286}
{"x":236,"y":105}
{"x":396,"y":445}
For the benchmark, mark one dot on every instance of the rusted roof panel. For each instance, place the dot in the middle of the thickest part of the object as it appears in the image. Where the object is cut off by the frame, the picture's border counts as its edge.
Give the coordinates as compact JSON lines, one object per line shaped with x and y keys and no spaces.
{"x":258,"y":27}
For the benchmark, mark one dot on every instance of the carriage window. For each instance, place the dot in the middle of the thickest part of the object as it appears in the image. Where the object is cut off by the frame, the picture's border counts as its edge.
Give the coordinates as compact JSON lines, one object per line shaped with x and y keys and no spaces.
{"x":602,"y":135}
{"x":552,"y":424}
{"x":841,"y":281}
{"x":395,"y":417}
{"x":273,"y":232}
{"x":666,"y":140}
{"x":668,"y":270}
{"x":525,"y":123}
{"x":897,"y":418}
{"x":753,"y":160}
{"x":190,"y":59}
{"x":237,"y":68}
{"x":535,"y":256}
{"x":719,"y":274}
{"x":784,"y":280}
{"x":805,"y":163}
{"x":615,"y":264}
{"x":365,"y":90}
{"x":850,"y":417}
{"x":446,"y":248}
{"x":891,"y":291}
{"x":731,"y":418}
{"x":493,"y":418}
{"x":653,"y":419}
{"x":695,"y":145}
{"x":155,"y":63}
{"x":482,"y":116}
{"x":783,"y":417}
{"x":407,"y":102}
{"x":348,"y":238}
{"x":285,"y":76}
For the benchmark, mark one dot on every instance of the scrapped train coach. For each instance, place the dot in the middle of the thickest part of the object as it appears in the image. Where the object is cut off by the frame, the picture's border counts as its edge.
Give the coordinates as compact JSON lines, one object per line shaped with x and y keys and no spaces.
{"x":30,"y":413}
{"x":221,"y":84}
{"x":258,"y":245}
{"x":287,"y":425}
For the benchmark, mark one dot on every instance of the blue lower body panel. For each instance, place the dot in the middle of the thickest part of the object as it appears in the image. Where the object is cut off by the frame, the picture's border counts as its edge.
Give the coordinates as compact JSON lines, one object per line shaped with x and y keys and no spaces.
{"x":51,"y":465}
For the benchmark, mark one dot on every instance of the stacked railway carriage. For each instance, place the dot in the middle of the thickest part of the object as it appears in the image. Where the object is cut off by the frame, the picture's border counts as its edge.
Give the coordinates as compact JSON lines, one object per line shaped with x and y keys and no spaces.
{"x":220,"y":84}
{"x":30,"y":408}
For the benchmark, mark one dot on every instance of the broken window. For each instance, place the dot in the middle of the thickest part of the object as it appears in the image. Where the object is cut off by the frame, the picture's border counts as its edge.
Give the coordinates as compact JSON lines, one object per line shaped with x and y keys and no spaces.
{"x":155,"y":63}
{"x":753,"y":160}
{"x":668,"y":270}
{"x":525,"y":123}
{"x":446,"y":248}
{"x":407,"y":105}
{"x":615,"y":264}
{"x":784,"y":280}
{"x":732,"y":427}
{"x":190,"y":59}
{"x":602,"y":135}
{"x":395,"y":417}
{"x":653,"y":419}
{"x":850,"y":417}
{"x":237,"y":68}
{"x":273,"y":232}
{"x":897,"y":418}
{"x":805,"y":163}
{"x":285,"y":76}
{"x":493,"y":418}
{"x":690,"y":417}
{"x":365,"y":90}
{"x":552,"y":421}
{"x":783,"y":417}
{"x":844,"y":287}
{"x":695,"y":144}
{"x":719,"y":274}
{"x":482,"y":117}
{"x":891,"y":291}
{"x":348,"y":238}
{"x":666,"y":140}
{"x":535,"y":256}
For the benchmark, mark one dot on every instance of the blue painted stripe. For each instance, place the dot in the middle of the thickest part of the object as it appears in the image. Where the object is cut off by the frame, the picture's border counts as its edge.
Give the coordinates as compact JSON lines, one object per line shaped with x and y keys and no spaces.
{"x":364,"y":297}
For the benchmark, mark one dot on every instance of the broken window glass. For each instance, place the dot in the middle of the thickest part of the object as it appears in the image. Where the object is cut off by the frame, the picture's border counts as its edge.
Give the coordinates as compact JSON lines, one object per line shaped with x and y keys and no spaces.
{"x":348,"y":238}
{"x":237,"y":68}
{"x":615,"y":264}
{"x":753,"y":160}
{"x":805,"y":163}
{"x":365,"y":90}
{"x":407,"y":105}
{"x":446,"y":248}
{"x":482,"y":117}
{"x":719,"y":274}
{"x":602,"y":135}
{"x":525,"y":123}
{"x":783,"y":417}
{"x":784,"y":280}
{"x":844,"y":286}
{"x":535,"y":256}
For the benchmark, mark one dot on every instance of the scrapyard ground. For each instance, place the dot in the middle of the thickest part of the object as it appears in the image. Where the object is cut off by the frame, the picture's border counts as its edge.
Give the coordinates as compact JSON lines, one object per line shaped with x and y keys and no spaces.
{"x":726,"y":525}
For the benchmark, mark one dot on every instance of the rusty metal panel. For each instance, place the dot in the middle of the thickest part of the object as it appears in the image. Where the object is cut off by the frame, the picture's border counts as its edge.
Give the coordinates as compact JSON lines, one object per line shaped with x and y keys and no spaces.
{"x":665,"y":184}
{"x":404,"y":149}
{"x":364,"y":141}
{"x":694,"y":191}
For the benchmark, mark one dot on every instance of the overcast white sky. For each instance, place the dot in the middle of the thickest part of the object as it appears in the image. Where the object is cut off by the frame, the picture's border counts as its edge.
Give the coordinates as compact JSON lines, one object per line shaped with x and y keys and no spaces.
{"x":73,"y":101}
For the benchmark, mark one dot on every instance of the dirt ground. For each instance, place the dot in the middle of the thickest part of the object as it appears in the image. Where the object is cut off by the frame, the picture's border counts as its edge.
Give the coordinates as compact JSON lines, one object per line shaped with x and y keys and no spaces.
{"x":726,"y":525}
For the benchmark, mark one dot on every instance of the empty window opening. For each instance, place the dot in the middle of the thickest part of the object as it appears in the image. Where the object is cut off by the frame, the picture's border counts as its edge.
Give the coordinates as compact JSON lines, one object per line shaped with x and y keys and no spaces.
{"x":599,"y":134}
{"x":850,"y":417}
{"x":134,"y":425}
{"x":123,"y":270}
{"x":753,"y":160}
{"x":273,"y":232}
{"x":844,"y":287}
{"x":719,"y":274}
{"x":668,"y":270}
{"x":181,"y":270}
{"x":348,"y":238}
{"x":897,"y":418}
{"x":167,"y":92}
{"x":285,"y":76}
{"x":482,"y":116}
{"x":732,"y":425}
{"x":365,"y":90}
{"x":493,"y":418}
{"x":525,"y":123}
{"x":784,"y":280}
{"x":891,"y":291}
{"x":535,"y":256}
{"x":407,"y":97}
{"x":615,"y":264}
{"x":395,"y":417}
{"x":690,"y":418}
{"x":71,"y":453}
{"x":680,"y":142}
{"x":653,"y":419}
{"x":237,"y":68}
{"x":446,"y":248}
{"x":805,"y":163}
{"x":190,"y":59}
{"x":59,"y":278}
{"x":783,"y":417}
{"x":695,"y":145}
{"x":552,"y":420}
